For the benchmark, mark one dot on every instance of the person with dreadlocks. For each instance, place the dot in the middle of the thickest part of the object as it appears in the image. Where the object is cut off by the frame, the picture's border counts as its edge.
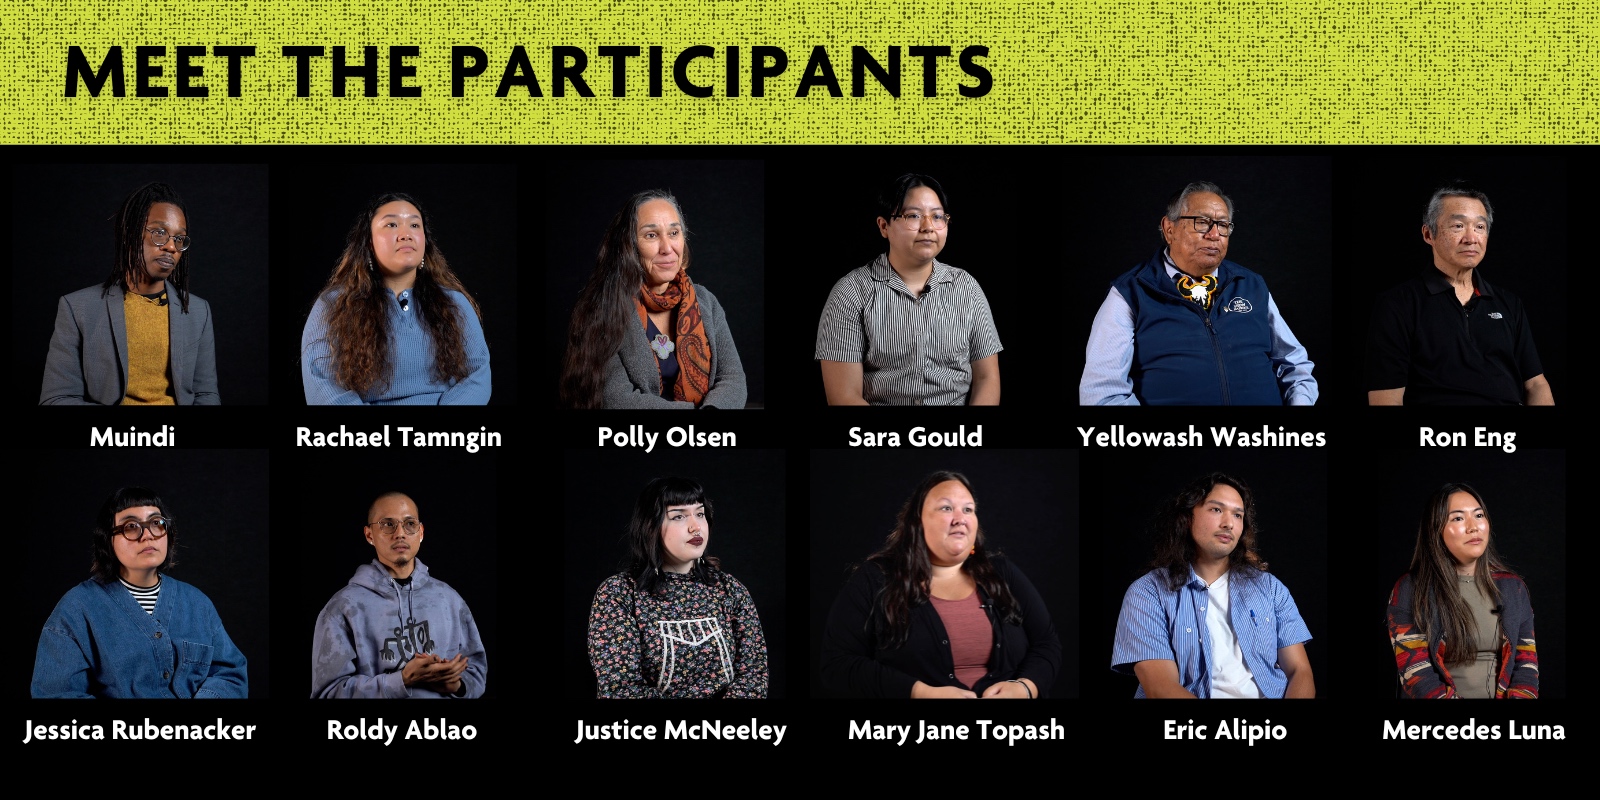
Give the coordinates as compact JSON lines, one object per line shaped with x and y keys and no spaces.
{"x":139,"y":338}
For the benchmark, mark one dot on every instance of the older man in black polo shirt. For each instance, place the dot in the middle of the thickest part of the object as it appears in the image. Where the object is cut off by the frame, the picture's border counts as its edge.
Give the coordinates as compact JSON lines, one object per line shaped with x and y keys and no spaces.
{"x":1447,"y":337}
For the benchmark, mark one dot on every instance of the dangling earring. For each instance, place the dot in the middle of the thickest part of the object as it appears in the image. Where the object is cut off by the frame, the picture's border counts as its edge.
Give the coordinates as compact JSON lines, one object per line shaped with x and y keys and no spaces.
{"x":424,"y":265}
{"x":369,"y":263}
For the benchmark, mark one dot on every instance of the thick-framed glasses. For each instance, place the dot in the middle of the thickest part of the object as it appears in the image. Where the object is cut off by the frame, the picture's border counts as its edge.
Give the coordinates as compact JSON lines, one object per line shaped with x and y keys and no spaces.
{"x":159,"y":237}
{"x":133,"y":530}
{"x":388,"y":527}
{"x":1205,"y":224}
{"x":914,"y":220}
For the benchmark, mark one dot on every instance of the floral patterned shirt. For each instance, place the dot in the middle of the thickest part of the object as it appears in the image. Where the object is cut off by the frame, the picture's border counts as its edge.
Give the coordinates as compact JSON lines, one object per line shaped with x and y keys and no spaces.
{"x":689,"y":641}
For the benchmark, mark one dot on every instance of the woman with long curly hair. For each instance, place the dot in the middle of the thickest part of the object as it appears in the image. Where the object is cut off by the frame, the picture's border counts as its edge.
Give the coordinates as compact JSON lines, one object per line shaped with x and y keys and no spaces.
{"x":1460,"y":620}
{"x":643,"y":335}
{"x":394,"y":325}
{"x":139,"y":338}
{"x":936,"y":614}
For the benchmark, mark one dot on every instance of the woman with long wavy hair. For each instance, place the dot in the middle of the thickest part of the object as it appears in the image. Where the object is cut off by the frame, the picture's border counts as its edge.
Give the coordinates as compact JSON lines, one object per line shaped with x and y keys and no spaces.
{"x":1460,"y":620}
{"x":936,"y":614}
{"x":643,"y":335}
{"x":394,"y":325}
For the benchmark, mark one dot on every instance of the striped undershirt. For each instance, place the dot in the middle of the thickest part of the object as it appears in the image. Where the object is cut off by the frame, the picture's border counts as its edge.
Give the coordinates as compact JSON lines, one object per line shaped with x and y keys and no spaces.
{"x":146,"y":598}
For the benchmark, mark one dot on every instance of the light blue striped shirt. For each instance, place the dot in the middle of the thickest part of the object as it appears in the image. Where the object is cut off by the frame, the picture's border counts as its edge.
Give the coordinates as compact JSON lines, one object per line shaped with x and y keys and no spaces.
{"x":1158,"y":623}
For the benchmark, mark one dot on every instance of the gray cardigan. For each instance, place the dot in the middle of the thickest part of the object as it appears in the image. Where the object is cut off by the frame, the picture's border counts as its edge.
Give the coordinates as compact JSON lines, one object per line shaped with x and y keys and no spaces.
{"x":634,"y":381}
{"x":88,"y":360}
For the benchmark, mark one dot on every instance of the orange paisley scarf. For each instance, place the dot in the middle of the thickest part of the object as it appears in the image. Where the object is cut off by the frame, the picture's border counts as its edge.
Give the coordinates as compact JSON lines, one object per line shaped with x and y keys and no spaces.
{"x":689,"y":335}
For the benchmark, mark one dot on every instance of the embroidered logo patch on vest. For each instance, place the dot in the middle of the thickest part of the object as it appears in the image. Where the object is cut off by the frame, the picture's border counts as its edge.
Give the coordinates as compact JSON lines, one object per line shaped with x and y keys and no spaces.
{"x":1238,"y":305}
{"x":1494,"y":315}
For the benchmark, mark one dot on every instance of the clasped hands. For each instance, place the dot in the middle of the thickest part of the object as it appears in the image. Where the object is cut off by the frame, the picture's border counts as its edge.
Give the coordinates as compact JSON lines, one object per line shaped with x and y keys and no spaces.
{"x":439,"y":674}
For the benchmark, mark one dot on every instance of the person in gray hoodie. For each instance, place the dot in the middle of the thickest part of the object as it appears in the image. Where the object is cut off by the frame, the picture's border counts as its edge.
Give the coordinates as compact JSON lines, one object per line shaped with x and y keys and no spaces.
{"x":394,"y":631}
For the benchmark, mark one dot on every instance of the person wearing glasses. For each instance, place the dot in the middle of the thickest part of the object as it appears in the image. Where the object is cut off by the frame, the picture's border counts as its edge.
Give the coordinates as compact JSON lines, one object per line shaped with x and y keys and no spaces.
{"x":643,"y":335}
{"x":394,"y":325}
{"x":1188,"y":327}
{"x":139,"y":338}
{"x":395,"y":631}
{"x":130,"y":630}
{"x":907,"y":328}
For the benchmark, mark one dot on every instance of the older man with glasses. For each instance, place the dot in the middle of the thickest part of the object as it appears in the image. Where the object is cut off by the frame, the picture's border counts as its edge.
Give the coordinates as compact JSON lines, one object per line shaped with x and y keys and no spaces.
{"x":1189,"y":327}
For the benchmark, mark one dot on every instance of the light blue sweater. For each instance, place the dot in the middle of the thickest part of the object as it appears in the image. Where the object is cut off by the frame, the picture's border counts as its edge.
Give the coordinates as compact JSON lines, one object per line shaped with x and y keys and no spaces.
{"x":410,"y":354}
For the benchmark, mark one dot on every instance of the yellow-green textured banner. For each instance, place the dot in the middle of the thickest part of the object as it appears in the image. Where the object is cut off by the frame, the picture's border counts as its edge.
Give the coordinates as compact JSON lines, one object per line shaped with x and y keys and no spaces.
{"x":800,"y":71}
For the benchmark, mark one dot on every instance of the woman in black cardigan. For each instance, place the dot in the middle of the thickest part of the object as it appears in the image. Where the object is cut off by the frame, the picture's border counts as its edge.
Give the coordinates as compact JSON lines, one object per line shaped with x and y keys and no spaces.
{"x":934,"y":614}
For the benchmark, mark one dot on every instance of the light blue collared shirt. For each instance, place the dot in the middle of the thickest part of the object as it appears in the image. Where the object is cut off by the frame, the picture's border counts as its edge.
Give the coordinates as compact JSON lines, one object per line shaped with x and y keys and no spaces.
{"x":1158,"y":623}
{"x":1109,"y":356}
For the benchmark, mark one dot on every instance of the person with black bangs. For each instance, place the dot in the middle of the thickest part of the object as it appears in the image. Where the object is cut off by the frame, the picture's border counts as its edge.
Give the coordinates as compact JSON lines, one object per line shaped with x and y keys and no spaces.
{"x":673,"y":624}
{"x":139,"y":338}
{"x":936,"y":614}
{"x":131,"y":631}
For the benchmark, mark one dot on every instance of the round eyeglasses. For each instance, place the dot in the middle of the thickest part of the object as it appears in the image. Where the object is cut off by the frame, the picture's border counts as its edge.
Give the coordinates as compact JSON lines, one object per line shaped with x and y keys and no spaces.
{"x":159,"y":238}
{"x":133,"y":530}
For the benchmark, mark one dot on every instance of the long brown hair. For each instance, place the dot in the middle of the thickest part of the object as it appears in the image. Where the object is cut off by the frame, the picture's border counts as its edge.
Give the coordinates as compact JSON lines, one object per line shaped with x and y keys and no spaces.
{"x":1175,"y":548}
{"x":908,"y":570}
{"x":1436,"y":602}
{"x":605,"y":312}
{"x":358,"y":314}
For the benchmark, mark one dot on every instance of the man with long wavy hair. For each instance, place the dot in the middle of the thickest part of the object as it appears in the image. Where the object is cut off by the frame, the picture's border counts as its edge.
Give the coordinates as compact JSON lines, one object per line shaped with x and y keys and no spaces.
{"x":1207,"y":620}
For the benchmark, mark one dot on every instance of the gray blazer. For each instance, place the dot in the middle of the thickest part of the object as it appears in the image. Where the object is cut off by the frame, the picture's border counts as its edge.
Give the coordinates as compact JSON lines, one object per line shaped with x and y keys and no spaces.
{"x":634,"y":381}
{"x":88,"y":360}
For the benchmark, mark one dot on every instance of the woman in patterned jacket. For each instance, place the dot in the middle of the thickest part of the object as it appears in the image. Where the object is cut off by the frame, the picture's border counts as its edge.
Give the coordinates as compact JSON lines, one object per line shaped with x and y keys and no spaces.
{"x":672,"y":623}
{"x":1460,"y":621}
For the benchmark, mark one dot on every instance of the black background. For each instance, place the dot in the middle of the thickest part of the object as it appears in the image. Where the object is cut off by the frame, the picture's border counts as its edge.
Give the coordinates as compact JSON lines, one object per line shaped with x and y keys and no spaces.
{"x":722,"y":202}
{"x":748,"y":495}
{"x":1282,"y":204}
{"x":218,"y":501}
{"x":1025,"y":501}
{"x":1291,"y":497}
{"x":1366,"y":450}
{"x":455,"y":496}
{"x":1379,"y":208}
{"x":474,"y":210}
{"x":61,"y":224}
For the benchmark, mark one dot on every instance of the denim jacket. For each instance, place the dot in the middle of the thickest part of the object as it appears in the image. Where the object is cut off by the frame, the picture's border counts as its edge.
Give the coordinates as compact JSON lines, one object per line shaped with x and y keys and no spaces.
{"x":98,"y":642}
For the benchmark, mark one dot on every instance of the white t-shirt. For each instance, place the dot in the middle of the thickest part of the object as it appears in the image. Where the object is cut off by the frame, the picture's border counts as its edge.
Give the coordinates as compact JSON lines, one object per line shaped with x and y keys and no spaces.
{"x":1230,"y":678}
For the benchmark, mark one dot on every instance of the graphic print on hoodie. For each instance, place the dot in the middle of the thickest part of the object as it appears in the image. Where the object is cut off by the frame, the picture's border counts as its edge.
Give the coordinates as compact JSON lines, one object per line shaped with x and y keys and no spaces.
{"x":375,"y":625}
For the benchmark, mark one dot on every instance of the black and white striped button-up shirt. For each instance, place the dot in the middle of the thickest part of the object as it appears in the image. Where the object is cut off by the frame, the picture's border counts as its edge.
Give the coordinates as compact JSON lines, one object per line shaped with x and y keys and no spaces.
{"x":913,"y":350}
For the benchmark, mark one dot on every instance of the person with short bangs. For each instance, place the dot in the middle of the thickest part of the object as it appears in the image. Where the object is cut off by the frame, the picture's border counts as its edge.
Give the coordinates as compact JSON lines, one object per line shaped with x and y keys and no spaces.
{"x":394,"y":325}
{"x":907,"y":328}
{"x":130,"y":630}
{"x":937,"y":614}
{"x":1460,"y":620}
{"x":673,"y":624}
{"x":139,"y":338}
{"x":643,"y":335}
